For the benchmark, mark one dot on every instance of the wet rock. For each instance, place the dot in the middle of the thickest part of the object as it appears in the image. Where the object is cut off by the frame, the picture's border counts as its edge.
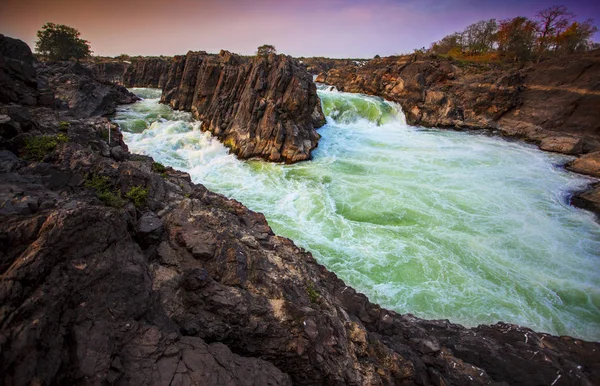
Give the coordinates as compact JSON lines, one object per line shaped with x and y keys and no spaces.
{"x":589,"y":199}
{"x":557,"y":96}
{"x":586,"y":164}
{"x":263,"y":107}
{"x":565,"y":145}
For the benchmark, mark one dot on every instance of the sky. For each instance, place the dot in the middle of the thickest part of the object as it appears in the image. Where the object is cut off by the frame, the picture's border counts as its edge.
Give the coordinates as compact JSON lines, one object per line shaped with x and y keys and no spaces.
{"x":331,"y":28}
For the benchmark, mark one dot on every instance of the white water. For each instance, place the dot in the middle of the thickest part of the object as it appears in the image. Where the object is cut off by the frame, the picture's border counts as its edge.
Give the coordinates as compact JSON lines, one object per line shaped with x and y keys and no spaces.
{"x":437,"y":223}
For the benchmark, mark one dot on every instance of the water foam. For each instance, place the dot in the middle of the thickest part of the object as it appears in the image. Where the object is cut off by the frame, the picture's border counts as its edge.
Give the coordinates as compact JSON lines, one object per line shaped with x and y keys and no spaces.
{"x":437,"y":223}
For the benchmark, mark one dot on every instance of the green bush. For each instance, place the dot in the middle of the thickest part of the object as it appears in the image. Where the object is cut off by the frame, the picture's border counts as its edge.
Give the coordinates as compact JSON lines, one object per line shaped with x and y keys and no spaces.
{"x":37,"y":147}
{"x":104,"y":190}
{"x":312,"y":293}
{"x":63,"y":125}
{"x":158,"y":167}
{"x":139,"y":196}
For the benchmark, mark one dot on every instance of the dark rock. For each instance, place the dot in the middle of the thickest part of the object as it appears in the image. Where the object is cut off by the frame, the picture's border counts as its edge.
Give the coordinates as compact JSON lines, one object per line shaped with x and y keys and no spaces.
{"x":78,"y":92}
{"x":556,"y":97}
{"x":17,"y":72}
{"x":147,"y":72}
{"x":263,"y":107}
{"x":149,"y":228}
{"x":200,"y":291}
{"x":8,"y":161}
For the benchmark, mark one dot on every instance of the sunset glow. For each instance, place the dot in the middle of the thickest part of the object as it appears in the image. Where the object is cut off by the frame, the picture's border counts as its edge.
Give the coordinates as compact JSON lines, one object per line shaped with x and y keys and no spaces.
{"x":333,"y":28}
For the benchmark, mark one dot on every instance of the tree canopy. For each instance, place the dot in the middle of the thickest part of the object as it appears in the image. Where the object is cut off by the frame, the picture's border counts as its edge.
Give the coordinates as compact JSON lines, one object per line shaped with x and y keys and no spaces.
{"x":553,"y":31}
{"x":266,"y":50}
{"x":61,"y":42}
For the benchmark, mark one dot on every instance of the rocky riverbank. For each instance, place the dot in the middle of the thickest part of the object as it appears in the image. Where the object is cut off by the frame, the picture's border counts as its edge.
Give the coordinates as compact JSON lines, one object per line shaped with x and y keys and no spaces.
{"x":265,"y":107}
{"x":117,"y":270}
{"x":552,"y":103}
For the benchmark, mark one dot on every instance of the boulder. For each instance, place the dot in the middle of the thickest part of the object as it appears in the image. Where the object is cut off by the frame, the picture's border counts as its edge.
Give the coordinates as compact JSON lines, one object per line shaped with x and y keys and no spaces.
{"x":18,"y":81}
{"x":586,"y":164}
{"x":562,"y":144}
{"x":79,"y":93}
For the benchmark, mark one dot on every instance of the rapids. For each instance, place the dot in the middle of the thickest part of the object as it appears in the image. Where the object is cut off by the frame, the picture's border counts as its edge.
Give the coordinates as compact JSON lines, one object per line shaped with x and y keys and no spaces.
{"x":437,"y":223}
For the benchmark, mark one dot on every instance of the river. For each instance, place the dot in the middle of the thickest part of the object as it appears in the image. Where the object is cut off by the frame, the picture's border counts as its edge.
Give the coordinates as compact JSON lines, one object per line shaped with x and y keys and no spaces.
{"x":437,"y":223}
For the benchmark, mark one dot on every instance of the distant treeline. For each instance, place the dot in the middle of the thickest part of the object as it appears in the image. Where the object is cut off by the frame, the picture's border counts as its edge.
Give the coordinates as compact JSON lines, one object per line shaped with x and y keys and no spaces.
{"x":554,"y":31}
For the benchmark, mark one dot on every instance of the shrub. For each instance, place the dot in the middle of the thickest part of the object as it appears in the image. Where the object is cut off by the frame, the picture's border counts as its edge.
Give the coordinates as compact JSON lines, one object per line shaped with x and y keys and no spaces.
{"x":37,"y":148}
{"x":63,"y":125}
{"x":313,"y":295}
{"x":158,"y":167}
{"x":139,"y":196}
{"x":104,"y":190}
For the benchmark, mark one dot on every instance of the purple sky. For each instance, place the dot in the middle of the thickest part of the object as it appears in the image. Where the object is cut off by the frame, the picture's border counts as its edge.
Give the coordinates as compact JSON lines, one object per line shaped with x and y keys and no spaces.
{"x":333,"y":28}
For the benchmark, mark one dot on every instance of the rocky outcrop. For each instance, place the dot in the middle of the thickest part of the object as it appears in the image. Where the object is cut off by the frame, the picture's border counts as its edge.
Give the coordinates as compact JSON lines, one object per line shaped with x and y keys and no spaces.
{"x":263,"y":107}
{"x":147,"y":72}
{"x":112,"y":273}
{"x":107,"y":69}
{"x":550,"y":103}
{"x":17,"y":73}
{"x":553,"y":103}
{"x":77,"y":91}
{"x":186,"y":286}
{"x":138,"y":71}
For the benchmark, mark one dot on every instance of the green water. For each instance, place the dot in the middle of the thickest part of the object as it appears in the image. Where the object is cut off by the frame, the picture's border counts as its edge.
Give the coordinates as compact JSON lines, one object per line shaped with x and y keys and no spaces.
{"x":440,"y":224}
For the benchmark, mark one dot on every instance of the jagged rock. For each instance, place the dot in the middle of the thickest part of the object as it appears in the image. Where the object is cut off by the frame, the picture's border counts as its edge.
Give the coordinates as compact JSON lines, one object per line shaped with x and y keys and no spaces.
{"x":79,"y":93}
{"x":194,"y":288}
{"x":261,"y":107}
{"x":17,"y":72}
{"x":586,"y":164}
{"x":557,"y":96}
{"x":147,"y":72}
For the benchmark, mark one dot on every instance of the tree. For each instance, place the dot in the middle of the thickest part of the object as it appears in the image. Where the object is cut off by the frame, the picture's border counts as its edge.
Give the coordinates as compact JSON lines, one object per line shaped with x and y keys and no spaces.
{"x":516,"y":38}
{"x":266,"y":50}
{"x":552,"y":23}
{"x":449,"y":43}
{"x":61,"y":42}
{"x":480,"y":37}
{"x":576,"y":37}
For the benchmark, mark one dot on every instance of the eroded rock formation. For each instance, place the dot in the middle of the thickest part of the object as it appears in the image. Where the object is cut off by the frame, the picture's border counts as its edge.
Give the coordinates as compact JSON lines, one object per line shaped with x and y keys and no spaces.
{"x":77,"y":91}
{"x":147,"y":72}
{"x":17,"y":73}
{"x":263,"y":107}
{"x":114,"y":270}
{"x":551,"y":103}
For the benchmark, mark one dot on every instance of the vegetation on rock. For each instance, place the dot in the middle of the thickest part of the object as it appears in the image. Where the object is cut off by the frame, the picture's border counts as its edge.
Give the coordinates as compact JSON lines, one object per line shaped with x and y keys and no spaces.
{"x":139,"y":196}
{"x":37,"y":148}
{"x":104,"y":190}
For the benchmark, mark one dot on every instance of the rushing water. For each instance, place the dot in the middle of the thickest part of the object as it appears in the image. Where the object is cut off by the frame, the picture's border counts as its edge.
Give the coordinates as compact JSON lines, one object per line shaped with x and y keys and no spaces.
{"x":441,"y":224}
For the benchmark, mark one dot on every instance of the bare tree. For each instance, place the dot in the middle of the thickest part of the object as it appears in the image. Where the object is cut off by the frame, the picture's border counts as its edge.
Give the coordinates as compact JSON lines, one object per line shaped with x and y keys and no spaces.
{"x":553,"y":21}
